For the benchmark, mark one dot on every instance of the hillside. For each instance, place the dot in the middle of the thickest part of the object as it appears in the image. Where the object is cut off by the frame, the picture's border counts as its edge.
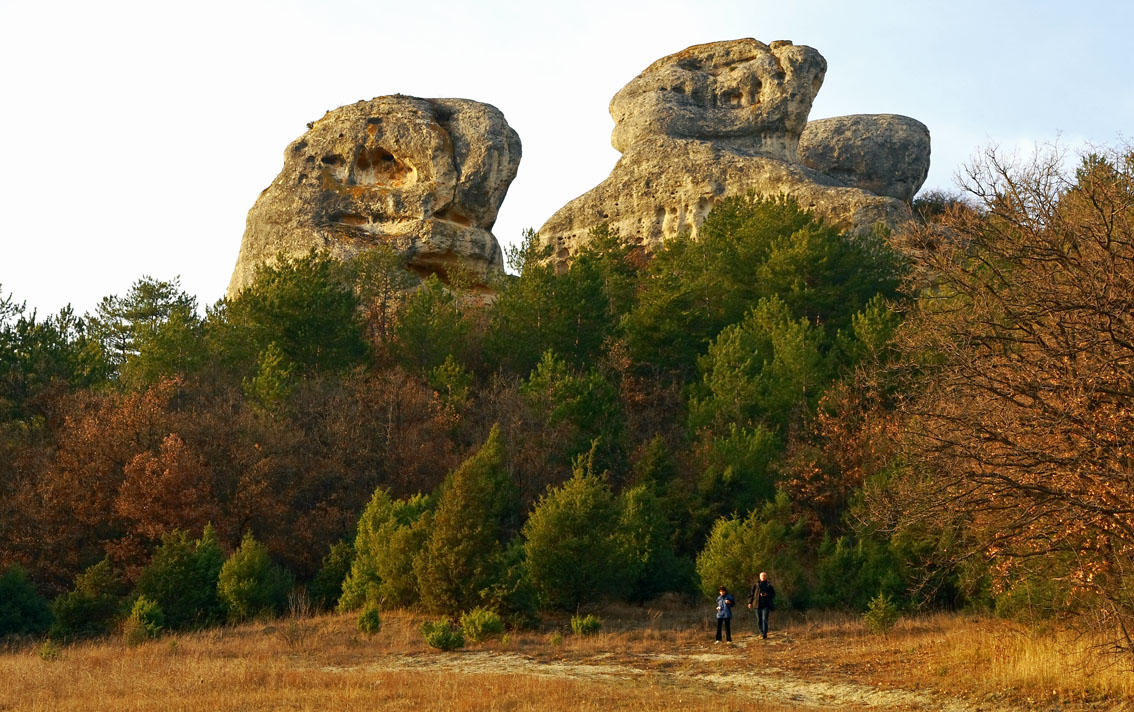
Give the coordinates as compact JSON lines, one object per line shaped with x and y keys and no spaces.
{"x":933,"y":419}
{"x":643,"y":659}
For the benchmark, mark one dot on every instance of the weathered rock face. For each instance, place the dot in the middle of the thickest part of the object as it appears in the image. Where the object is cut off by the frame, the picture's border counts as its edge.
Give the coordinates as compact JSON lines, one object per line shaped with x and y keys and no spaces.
{"x":885,"y":154}
{"x":425,"y":176}
{"x":662,"y":187}
{"x":725,"y":119}
{"x":742,"y":93}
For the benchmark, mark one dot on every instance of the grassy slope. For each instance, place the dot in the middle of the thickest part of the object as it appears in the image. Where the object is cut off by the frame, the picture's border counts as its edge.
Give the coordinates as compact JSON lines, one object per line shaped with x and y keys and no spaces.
{"x":646,"y":659}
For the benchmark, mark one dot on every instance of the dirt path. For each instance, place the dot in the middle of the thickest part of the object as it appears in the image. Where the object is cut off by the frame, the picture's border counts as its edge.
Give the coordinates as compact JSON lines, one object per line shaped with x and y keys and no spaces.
{"x":694,"y":669}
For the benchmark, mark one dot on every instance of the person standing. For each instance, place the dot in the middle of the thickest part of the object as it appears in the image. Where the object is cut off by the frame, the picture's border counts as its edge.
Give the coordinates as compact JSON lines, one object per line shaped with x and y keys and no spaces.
{"x":763,"y":596}
{"x":725,"y":602}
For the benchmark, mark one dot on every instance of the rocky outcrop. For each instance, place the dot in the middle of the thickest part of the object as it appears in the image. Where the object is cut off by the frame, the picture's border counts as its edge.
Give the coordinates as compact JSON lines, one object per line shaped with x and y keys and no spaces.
{"x":743,"y":94}
{"x":725,"y":119}
{"x":425,"y":176}
{"x":885,"y":154}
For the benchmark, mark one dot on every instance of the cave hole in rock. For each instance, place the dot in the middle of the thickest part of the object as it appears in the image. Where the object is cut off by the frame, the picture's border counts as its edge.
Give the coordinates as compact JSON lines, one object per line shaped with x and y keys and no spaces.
{"x":453,"y":215}
{"x":335,"y":165}
{"x":377,"y":166}
{"x":353,"y":219}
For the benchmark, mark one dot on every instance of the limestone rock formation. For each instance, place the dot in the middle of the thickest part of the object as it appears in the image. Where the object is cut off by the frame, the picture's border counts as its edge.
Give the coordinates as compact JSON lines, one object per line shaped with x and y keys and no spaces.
{"x":717,"y":120}
{"x":426,"y":176}
{"x":885,"y":154}
{"x":742,"y":94}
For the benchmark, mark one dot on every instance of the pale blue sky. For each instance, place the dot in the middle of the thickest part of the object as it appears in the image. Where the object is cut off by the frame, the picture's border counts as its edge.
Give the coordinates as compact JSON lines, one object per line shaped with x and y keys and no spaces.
{"x":140,"y":133}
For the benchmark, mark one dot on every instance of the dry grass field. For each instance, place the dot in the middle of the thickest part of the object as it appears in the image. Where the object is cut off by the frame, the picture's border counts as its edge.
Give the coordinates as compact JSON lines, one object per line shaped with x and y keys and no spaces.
{"x":644,"y":659}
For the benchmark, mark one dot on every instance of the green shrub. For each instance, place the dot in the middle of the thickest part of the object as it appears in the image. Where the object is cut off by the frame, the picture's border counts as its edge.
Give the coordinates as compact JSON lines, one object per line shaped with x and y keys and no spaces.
{"x":90,"y":608}
{"x":327,"y":586}
{"x":50,"y":650}
{"x":847,"y":574}
{"x":645,"y":538}
{"x":555,"y":639}
{"x":146,"y":622}
{"x":928,"y":557}
{"x":572,"y":542}
{"x":182,"y":579}
{"x":369,"y":620}
{"x":442,"y":635}
{"x":881,"y":614}
{"x":476,"y":509}
{"x":390,"y":535}
{"x":767,"y":539}
{"x":480,"y":624}
{"x":589,"y":624}
{"x":250,"y":584}
{"x":512,"y":595}
{"x":1032,"y":598}
{"x":22,"y":609}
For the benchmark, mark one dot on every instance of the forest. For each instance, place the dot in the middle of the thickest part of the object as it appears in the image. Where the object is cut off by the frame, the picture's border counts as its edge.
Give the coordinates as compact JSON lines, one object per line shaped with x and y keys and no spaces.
{"x":938,"y":418}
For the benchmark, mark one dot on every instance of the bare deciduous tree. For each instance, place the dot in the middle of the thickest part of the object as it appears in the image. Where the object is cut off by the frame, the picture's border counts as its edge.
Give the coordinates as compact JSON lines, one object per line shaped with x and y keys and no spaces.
{"x":1023,"y":344}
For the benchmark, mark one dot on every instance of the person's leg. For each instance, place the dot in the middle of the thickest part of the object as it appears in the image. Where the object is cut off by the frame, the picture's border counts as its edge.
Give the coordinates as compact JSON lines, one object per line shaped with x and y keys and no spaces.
{"x":719,"y":629}
{"x":728,"y":629}
{"x":762,"y":614}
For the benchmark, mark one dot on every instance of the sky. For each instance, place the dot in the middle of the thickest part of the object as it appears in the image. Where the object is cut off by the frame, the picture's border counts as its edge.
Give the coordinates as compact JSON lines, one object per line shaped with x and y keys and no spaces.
{"x":140,"y":133}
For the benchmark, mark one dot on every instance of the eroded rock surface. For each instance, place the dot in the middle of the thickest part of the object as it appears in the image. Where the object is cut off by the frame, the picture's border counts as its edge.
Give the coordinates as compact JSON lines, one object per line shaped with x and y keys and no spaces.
{"x":743,"y":93}
{"x":885,"y":154}
{"x":425,"y":176}
{"x":724,"y":119}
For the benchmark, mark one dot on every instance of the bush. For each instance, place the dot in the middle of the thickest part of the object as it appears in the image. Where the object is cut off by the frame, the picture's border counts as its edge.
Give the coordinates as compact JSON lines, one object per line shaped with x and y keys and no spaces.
{"x":182,"y":579}
{"x":589,"y":624}
{"x":848,"y":573}
{"x":512,"y":594}
{"x":327,"y":586}
{"x":91,"y":607}
{"x":572,"y":542}
{"x":646,"y":540}
{"x":480,"y":624}
{"x":390,"y":535}
{"x":22,"y":609}
{"x":767,"y":539}
{"x":1033,"y":598}
{"x":881,"y":614}
{"x":50,"y":650}
{"x":442,"y":635}
{"x":369,"y":620}
{"x":250,"y":584}
{"x":146,"y":622}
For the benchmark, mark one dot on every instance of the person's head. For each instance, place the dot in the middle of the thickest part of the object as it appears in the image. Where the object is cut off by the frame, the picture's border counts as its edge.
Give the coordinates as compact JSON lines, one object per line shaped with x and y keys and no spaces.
{"x":763,"y":575}
{"x":722,"y":590}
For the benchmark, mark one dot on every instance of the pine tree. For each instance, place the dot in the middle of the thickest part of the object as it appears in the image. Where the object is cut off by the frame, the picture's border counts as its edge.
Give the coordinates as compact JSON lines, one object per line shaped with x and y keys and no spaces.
{"x":572,"y":542}
{"x":475,"y":514}
{"x":390,"y":535}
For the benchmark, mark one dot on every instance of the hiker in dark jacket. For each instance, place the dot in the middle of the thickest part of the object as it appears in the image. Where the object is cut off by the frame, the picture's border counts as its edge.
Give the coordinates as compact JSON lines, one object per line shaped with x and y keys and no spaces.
{"x":763,"y":596}
{"x":725,"y":602}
